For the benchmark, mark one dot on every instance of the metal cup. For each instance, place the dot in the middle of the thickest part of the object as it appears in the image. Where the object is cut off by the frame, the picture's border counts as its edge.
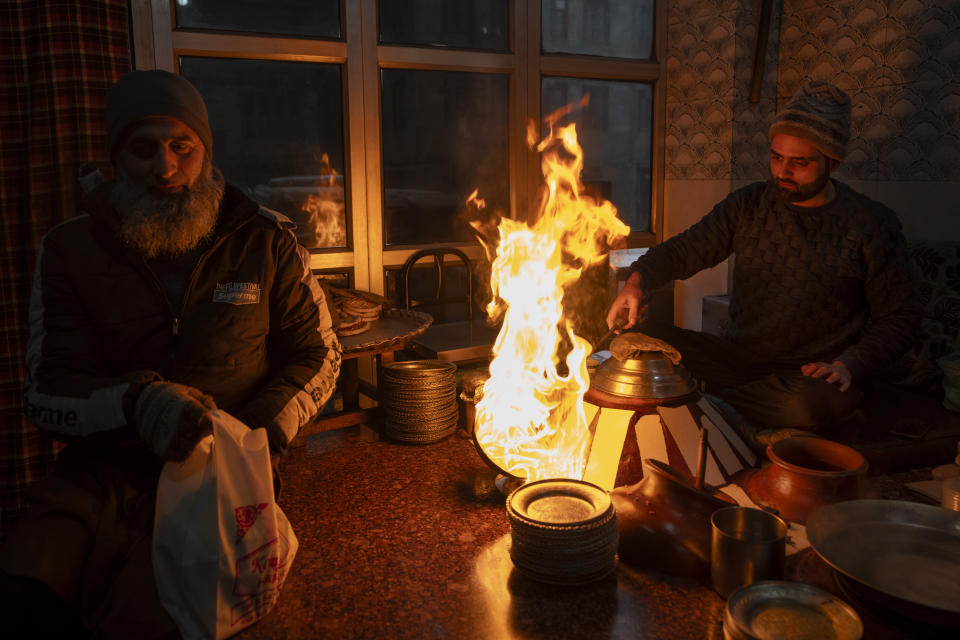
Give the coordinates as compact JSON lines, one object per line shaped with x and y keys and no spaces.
{"x":746,"y":545}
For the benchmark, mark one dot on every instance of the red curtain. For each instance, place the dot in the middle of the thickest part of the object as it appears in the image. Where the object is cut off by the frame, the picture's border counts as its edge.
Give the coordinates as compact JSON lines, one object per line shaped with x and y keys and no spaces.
{"x":57,"y":59}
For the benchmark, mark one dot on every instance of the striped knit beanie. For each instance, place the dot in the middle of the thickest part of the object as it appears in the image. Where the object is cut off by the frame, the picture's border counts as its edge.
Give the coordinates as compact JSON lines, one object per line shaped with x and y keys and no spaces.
{"x":148,"y":94}
{"x":820,"y":114}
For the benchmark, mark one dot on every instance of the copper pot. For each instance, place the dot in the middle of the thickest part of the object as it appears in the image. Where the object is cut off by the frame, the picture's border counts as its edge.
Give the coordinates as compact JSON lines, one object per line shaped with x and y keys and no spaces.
{"x":806,"y":473}
{"x":665,"y":523}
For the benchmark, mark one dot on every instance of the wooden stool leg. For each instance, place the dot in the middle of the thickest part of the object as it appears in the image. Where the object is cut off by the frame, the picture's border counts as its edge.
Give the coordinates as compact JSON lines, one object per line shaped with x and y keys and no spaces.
{"x":350,"y":384}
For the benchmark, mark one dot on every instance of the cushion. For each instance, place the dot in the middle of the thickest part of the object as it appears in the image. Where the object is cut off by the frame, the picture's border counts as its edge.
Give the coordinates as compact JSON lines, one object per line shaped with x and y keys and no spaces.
{"x":937,"y":270}
{"x":950,"y":364}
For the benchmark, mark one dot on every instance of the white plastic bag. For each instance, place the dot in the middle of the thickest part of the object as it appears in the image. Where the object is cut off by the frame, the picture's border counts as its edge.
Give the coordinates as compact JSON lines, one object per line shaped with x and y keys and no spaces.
{"x":221,"y":545}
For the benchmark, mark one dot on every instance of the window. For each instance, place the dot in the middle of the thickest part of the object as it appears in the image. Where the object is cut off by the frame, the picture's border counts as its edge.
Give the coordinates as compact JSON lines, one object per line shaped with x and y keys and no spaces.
{"x":277,"y":136}
{"x":448,"y":136}
{"x":464,"y":24}
{"x":614,"y":131}
{"x":318,"y":18}
{"x":613,"y":28}
{"x":369,"y":122}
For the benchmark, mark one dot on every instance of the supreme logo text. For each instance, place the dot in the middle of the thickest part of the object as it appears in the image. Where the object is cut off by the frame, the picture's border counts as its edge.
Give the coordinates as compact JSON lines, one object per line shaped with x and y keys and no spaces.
{"x":237,"y":293}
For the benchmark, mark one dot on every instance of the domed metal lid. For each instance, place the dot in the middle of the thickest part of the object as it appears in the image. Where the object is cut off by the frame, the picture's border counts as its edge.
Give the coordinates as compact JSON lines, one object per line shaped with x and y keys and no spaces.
{"x":649,"y":375}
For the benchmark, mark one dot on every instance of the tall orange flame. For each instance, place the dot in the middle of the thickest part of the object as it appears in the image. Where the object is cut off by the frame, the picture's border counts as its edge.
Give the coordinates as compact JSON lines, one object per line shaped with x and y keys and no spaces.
{"x":529,"y":417}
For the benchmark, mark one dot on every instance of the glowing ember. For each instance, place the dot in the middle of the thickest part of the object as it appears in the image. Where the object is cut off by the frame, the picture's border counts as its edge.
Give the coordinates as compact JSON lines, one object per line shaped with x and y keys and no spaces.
{"x":530,"y":419}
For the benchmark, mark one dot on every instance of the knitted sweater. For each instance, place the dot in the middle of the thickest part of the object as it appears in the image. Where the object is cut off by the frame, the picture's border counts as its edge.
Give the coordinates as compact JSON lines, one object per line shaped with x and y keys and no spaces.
{"x":809,"y":284}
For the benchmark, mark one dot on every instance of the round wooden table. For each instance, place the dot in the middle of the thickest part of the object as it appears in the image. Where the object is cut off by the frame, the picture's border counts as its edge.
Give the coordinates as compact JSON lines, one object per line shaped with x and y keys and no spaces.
{"x":386,"y":335}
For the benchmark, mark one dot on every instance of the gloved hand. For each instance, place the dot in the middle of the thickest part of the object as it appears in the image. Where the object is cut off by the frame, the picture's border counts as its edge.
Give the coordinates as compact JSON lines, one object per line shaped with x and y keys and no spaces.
{"x":172,"y":418}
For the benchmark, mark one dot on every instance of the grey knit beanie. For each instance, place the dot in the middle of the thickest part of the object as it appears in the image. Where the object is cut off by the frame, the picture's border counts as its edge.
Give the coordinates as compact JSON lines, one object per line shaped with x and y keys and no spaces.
{"x":144,"y":94}
{"x":819,"y":113}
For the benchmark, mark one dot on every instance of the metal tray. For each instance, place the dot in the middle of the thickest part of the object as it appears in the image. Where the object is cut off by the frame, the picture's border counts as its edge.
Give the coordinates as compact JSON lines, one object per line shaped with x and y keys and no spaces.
{"x":903,"y":553}
{"x":394,"y":328}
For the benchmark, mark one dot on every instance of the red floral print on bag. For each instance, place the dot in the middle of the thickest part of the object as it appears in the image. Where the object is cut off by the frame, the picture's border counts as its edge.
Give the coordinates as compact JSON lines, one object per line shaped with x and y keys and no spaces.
{"x":246,"y":516}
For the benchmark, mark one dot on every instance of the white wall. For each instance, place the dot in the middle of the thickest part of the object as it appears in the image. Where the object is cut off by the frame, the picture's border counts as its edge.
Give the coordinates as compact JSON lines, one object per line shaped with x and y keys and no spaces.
{"x":685,"y":202}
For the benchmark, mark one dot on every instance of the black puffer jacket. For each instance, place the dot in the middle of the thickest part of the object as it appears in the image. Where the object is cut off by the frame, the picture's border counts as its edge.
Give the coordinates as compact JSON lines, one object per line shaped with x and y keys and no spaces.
{"x":253,"y":330}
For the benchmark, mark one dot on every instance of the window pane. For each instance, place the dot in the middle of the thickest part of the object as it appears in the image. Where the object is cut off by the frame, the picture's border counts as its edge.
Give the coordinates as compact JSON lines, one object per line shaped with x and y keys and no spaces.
{"x":613,"y":28}
{"x":423,"y":284}
{"x":278,"y":136}
{"x":614,"y":131}
{"x":444,"y":135}
{"x":317,"y":18}
{"x":465,"y":24}
{"x":340,"y":279}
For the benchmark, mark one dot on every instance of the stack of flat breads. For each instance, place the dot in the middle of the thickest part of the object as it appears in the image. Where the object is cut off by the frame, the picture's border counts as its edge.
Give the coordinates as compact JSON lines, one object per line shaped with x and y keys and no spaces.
{"x":353,"y":310}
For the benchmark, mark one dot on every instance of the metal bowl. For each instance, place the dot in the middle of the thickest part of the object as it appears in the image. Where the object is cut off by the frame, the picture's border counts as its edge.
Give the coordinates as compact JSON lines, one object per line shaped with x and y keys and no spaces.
{"x":780,"y":609}
{"x":903,"y":556}
{"x":560,"y":503}
{"x":651,"y":376}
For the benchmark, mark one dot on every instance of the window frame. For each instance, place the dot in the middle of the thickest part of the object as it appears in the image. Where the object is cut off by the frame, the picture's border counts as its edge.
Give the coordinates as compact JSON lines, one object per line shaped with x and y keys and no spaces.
{"x":157,"y":44}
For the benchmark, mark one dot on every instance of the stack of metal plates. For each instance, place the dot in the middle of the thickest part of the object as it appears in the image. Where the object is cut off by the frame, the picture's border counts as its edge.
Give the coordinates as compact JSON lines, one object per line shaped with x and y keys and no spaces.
{"x":562,"y":531}
{"x":419,"y":400}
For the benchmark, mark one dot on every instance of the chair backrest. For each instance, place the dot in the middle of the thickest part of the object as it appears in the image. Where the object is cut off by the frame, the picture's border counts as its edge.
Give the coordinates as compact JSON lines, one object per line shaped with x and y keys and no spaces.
{"x":439,"y":298}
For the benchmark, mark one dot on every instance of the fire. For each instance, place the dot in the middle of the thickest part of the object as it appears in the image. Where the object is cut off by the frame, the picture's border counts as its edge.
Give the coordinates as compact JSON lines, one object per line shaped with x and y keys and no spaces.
{"x":325,"y":210}
{"x":530,"y":418}
{"x":326,"y":220}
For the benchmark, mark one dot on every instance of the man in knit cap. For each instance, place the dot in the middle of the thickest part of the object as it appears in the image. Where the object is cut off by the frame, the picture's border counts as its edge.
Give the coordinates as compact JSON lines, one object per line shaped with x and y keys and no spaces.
{"x":171,"y":295}
{"x":822,"y":295}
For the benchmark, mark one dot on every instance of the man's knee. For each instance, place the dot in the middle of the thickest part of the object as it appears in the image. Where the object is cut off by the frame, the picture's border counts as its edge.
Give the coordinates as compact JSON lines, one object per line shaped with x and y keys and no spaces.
{"x":51,"y":540}
{"x":793,"y":401}
{"x":817,"y":405}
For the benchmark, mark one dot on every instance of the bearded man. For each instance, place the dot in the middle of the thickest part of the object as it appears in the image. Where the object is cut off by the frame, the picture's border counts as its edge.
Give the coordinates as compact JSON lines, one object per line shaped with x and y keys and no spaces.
{"x":171,"y":295}
{"x":822,"y":294}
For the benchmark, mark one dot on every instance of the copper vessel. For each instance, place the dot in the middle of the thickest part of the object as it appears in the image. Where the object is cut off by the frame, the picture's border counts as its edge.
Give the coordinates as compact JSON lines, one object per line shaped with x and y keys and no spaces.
{"x":665,"y":522}
{"x":806,"y":473}
{"x":651,"y":375}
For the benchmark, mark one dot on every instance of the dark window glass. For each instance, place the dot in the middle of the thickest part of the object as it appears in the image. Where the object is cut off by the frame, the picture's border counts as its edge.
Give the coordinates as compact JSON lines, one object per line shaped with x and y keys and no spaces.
{"x":314,"y":18}
{"x":423,"y":284}
{"x":444,"y":135}
{"x":612,"y":28}
{"x":278,"y":136}
{"x":464,"y":24}
{"x":340,"y":279}
{"x":614,"y":130}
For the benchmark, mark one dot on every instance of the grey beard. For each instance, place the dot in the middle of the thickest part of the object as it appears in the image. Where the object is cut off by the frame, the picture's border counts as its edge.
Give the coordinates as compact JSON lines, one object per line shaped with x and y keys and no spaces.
{"x":168,"y":226}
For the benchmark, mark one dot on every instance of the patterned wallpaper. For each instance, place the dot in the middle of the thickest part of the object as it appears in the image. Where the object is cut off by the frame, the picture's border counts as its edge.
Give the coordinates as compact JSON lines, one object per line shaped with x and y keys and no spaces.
{"x":898,"y":59}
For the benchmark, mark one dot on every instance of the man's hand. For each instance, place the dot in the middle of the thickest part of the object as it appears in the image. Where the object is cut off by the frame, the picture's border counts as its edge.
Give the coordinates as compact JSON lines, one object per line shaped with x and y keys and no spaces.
{"x":172,"y":418}
{"x":627,"y":302}
{"x":836,"y":373}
